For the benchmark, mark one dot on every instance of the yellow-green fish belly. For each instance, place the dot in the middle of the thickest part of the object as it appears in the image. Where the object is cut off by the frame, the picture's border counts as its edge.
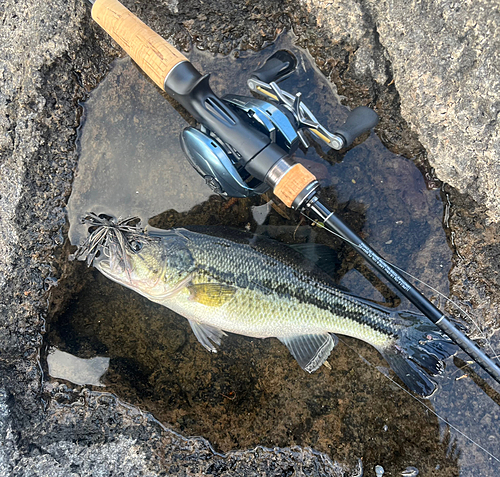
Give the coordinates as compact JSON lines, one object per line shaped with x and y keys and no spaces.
{"x":261,"y":315}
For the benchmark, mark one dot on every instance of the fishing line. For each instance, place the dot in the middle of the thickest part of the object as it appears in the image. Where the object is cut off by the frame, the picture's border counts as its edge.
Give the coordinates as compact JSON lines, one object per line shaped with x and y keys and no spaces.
{"x":422,"y":403}
{"x":471,"y":318}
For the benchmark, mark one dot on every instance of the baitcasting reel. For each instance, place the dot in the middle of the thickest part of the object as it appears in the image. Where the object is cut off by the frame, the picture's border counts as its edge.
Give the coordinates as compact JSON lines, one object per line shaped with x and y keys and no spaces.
{"x":283,"y":118}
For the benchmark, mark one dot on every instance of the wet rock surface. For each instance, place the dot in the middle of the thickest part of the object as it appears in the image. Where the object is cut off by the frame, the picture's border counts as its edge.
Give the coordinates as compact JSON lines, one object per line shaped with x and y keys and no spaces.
{"x":90,"y":434}
{"x":475,"y":276}
{"x":443,"y":61}
{"x":52,"y":56}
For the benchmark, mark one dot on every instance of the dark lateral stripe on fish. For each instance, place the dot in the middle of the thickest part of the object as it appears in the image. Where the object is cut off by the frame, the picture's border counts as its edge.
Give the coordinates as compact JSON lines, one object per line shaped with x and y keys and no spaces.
{"x":339,"y":308}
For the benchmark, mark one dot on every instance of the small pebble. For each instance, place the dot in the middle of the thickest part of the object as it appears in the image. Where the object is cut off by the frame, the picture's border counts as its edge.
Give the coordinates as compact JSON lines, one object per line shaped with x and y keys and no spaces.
{"x":410,"y":472}
{"x":379,"y":471}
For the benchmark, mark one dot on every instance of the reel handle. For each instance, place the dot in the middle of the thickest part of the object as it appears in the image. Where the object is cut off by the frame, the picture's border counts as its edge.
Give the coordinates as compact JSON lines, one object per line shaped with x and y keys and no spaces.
{"x":154,"y":55}
{"x":359,"y":121}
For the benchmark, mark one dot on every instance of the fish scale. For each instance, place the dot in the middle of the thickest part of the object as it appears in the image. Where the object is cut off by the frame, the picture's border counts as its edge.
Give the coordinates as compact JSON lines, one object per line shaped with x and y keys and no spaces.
{"x":311,"y":294}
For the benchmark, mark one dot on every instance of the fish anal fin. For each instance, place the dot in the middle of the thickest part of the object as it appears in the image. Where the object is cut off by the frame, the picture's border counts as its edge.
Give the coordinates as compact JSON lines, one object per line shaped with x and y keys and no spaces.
{"x":207,"y":335}
{"x":310,"y":351}
{"x":211,"y":294}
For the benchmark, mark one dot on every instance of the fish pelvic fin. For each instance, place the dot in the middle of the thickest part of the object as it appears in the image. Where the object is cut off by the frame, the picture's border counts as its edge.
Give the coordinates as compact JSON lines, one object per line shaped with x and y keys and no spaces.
{"x":419,"y":352}
{"x":207,"y":335}
{"x":310,"y":351}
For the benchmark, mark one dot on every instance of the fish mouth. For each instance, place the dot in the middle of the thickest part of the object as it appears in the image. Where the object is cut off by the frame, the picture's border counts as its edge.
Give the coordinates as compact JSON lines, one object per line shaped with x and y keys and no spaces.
{"x":116,"y":272}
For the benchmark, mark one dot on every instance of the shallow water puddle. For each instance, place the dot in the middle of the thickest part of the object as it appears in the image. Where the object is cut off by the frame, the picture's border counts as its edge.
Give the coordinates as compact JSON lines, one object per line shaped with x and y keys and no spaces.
{"x":252,"y":392}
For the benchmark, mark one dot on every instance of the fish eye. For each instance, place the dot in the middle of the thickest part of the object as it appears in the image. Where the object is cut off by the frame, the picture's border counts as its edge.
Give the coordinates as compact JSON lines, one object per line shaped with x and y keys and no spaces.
{"x":136,"y":246}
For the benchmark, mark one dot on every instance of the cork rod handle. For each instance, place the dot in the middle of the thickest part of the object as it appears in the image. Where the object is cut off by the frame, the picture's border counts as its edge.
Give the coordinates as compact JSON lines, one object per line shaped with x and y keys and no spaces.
{"x":293,"y":183}
{"x":154,"y":55}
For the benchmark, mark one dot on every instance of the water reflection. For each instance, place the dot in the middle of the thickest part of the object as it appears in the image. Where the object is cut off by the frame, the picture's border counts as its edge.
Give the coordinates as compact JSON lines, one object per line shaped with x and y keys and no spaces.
{"x":131,"y":162}
{"x":252,"y":392}
{"x":76,"y":370}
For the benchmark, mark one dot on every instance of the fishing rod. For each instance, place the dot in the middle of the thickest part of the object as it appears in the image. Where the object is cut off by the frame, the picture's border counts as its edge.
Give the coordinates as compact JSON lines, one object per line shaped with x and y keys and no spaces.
{"x":242,"y":146}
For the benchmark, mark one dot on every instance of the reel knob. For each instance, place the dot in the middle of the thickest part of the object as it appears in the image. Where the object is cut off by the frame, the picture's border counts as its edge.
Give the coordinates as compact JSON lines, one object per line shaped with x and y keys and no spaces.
{"x":359,"y":121}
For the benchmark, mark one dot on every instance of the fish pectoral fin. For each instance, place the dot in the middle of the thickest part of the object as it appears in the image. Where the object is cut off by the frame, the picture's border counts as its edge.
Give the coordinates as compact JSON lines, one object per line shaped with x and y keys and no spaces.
{"x":211,"y":294}
{"x":207,"y":335}
{"x":310,"y":351}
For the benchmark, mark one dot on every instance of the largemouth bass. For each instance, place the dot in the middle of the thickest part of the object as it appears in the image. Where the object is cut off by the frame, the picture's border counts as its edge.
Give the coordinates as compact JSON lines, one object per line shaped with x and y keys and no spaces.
{"x":257,"y":287}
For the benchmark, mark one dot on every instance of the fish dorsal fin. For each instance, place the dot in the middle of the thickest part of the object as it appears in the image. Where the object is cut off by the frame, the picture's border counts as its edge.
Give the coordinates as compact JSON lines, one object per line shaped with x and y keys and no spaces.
{"x":321,"y":255}
{"x":211,"y":294}
{"x":310,"y":351}
{"x":207,"y":335}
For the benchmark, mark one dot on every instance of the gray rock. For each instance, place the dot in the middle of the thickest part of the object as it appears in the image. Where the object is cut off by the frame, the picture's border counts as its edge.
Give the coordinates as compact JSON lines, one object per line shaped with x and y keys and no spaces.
{"x":8,"y":448}
{"x":444,"y":59}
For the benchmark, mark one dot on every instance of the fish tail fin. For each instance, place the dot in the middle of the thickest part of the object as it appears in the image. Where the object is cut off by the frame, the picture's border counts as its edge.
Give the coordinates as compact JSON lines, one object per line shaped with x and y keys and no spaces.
{"x":418,"y":352}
